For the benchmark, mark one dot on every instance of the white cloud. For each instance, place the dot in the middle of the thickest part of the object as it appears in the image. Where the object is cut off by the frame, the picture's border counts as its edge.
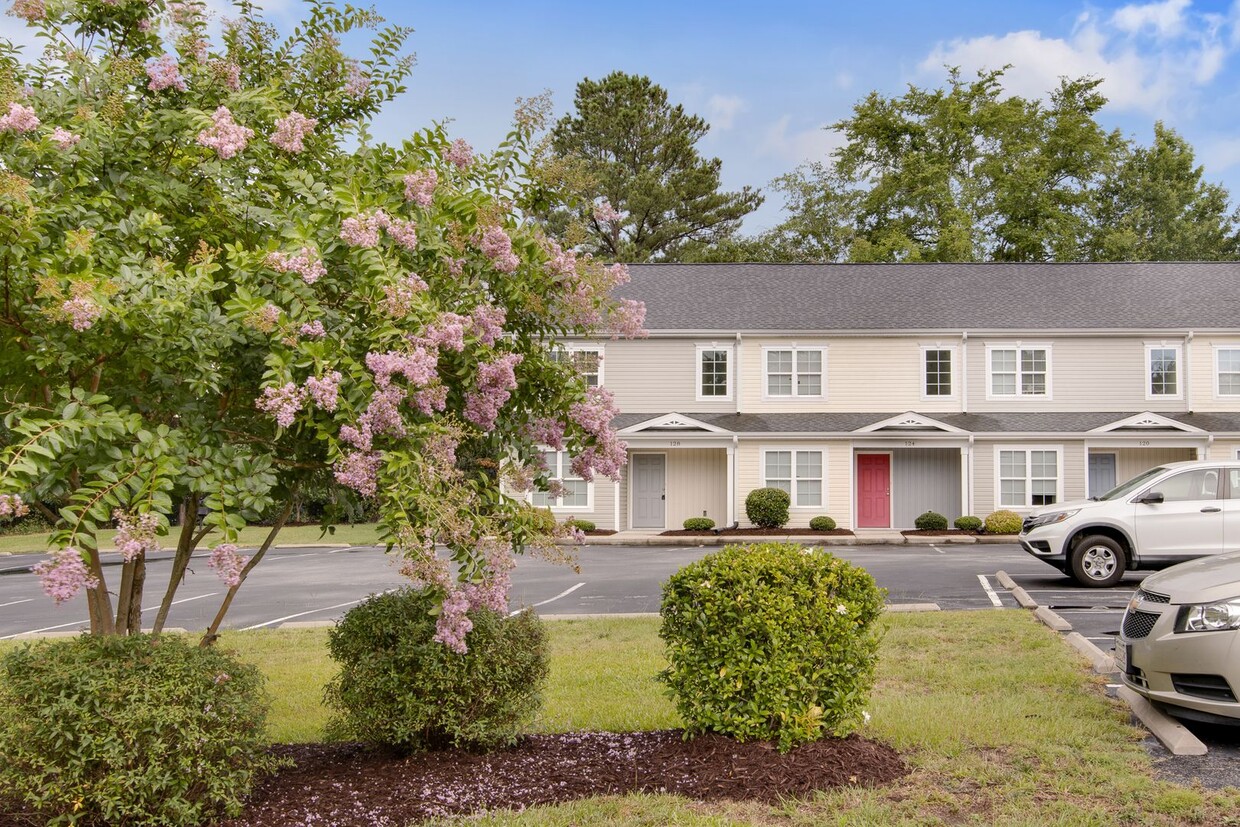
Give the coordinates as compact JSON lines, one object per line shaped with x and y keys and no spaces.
{"x":722,"y":111}
{"x":1164,"y":19}
{"x":799,"y":145}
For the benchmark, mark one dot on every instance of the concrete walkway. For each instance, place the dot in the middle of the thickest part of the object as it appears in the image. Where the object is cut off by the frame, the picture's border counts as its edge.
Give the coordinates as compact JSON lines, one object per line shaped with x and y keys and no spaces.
{"x":862,"y":537}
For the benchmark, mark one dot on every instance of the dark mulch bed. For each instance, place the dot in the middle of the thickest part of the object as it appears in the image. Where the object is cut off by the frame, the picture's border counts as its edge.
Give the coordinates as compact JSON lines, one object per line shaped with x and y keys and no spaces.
{"x":599,"y":532}
{"x":758,"y":532}
{"x":347,"y":785}
{"x":938,"y":532}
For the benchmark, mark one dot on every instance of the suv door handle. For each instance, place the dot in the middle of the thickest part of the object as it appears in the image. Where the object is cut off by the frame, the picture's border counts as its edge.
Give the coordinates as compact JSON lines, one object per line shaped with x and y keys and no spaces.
{"x":1210,"y":509}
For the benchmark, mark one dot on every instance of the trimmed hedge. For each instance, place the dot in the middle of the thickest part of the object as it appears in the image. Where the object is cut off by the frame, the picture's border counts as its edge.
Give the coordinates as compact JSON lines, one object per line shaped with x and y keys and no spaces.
{"x":580,"y":524}
{"x":969,"y":523}
{"x":822,"y":523}
{"x":931,"y":521}
{"x":699,"y":524}
{"x":767,"y":507}
{"x":771,"y":641}
{"x":1003,"y":522}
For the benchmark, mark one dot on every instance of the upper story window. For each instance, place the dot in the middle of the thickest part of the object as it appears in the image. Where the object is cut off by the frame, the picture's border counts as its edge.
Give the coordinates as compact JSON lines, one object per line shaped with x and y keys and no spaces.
{"x":586,"y":360}
{"x":936,"y":364}
{"x":1028,"y":477}
{"x":713,"y":373}
{"x":574,"y":491}
{"x":1019,"y":371}
{"x":794,"y":372}
{"x":1163,"y":366}
{"x":1227,"y":371}
{"x":797,"y":472}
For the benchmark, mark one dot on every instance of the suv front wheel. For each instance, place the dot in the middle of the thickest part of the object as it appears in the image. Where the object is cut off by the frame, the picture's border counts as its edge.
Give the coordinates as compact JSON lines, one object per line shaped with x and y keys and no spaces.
{"x":1097,"y":561}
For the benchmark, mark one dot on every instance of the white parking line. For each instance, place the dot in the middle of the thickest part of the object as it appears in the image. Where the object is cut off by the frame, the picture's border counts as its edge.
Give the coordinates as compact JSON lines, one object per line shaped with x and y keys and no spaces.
{"x":564,"y":593}
{"x":83,"y":622}
{"x":15,"y":602}
{"x":936,"y":548}
{"x":990,"y":592}
{"x":312,"y":611}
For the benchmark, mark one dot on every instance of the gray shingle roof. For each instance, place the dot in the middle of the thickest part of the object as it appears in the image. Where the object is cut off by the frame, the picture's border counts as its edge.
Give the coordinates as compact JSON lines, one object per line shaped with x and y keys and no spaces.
{"x":828,"y":297}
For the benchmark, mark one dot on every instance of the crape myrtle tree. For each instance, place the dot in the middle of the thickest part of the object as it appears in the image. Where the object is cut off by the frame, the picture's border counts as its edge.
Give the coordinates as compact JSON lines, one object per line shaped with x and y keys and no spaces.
{"x":208,"y":301}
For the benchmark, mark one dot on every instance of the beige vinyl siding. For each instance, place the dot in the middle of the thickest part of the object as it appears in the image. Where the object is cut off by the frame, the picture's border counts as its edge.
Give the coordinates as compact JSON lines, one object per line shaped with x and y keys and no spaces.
{"x":1224,"y":449}
{"x":1086,"y":374}
{"x":660,"y":375}
{"x":1202,"y":375}
{"x":836,"y":484}
{"x":753,"y":376}
{"x":697,"y":483}
{"x":624,"y":497}
{"x":1073,"y":481}
{"x":1132,"y":461}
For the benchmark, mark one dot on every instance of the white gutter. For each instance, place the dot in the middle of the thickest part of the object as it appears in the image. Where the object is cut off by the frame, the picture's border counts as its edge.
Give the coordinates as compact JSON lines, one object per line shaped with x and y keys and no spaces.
{"x":964,"y":372}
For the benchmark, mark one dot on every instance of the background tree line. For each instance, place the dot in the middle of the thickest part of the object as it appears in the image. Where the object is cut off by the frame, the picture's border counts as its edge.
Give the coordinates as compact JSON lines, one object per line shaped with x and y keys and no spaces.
{"x":960,"y":173}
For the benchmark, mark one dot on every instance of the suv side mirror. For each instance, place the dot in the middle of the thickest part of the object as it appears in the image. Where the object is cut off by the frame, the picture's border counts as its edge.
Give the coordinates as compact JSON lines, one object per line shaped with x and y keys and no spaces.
{"x":1151,"y":498}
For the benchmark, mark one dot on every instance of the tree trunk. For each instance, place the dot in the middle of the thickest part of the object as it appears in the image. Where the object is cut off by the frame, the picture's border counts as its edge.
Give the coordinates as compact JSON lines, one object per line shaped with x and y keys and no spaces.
{"x":98,"y":602}
{"x":135,"y":603}
{"x":185,"y":548}
{"x":212,"y":633}
{"x":124,"y":596}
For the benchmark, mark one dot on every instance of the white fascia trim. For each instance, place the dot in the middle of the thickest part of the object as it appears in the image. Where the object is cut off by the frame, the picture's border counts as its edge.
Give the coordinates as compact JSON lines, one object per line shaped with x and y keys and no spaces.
{"x":910,"y":418}
{"x":673,"y":420}
{"x":1146,"y":419}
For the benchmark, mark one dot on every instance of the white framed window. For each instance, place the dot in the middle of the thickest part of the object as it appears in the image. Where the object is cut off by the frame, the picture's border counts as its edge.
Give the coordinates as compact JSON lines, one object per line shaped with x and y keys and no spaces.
{"x":937,"y":372}
{"x":714,"y":373}
{"x":1162,"y":366}
{"x":1028,"y":476}
{"x":1227,"y":371}
{"x":797,"y":471}
{"x":586,"y":359}
{"x":794,"y":372}
{"x":577,"y":494}
{"x":1019,"y":371}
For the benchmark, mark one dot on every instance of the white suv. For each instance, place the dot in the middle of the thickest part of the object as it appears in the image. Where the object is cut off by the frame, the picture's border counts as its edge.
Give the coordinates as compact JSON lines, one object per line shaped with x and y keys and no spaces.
{"x":1161,"y":517}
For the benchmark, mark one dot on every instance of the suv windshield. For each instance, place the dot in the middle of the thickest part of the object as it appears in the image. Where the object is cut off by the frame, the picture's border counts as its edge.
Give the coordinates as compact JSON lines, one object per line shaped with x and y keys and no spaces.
{"x":1128,"y":487}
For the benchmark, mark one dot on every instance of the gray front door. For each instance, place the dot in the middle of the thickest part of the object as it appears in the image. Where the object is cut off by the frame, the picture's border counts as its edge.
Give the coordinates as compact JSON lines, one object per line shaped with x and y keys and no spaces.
{"x":1101,"y":474}
{"x":649,"y":471}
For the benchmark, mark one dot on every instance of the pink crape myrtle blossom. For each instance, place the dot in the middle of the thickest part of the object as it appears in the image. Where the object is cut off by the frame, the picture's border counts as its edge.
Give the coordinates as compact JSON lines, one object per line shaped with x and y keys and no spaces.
{"x":560,"y":262}
{"x":65,"y":575}
{"x":135,"y":534}
{"x":325,"y":390}
{"x":291,"y":132}
{"x":404,"y":233}
{"x":382,"y":415}
{"x":429,"y":400}
{"x":493,"y":388}
{"x":487,"y":323}
{"x":440,"y":449}
{"x":420,"y":187}
{"x":605,"y":213}
{"x":448,"y":332}
{"x":227,"y":563}
{"x":460,"y":154}
{"x":617,"y":275}
{"x":12,"y":507}
{"x":398,"y":298}
{"x":184,"y":13}
{"x":547,"y":431}
{"x":360,"y":471}
{"x":267,"y":317}
{"x":225,"y":136}
{"x":313,"y":330}
{"x":453,"y":625}
{"x":608,"y":454}
{"x":419,"y":366}
{"x":497,"y":246}
{"x":362,"y":230}
{"x":31,"y":11}
{"x":82,"y":312}
{"x":19,"y":119}
{"x":627,"y":320}
{"x":165,"y":73}
{"x":63,"y":138}
{"x":228,"y":72}
{"x":455,"y":266}
{"x":284,"y":401}
{"x":357,"y":82}
{"x":306,"y":263}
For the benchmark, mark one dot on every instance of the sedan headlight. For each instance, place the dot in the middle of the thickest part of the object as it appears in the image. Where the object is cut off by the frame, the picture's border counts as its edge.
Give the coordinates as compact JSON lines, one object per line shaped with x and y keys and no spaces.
{"x":1210,"y":617}
{"x":1048,"y":519}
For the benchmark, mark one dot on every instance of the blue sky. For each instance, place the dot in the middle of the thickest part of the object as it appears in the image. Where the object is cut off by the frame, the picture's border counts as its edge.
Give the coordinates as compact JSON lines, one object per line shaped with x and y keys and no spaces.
{"x":768,"y":77}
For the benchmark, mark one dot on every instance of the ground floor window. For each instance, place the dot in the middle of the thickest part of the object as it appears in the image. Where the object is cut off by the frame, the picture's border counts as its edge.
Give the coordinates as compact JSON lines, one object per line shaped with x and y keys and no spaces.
{"x":1028,"y":477}
{"x":574,"y":493}
{"x":799,"y":472}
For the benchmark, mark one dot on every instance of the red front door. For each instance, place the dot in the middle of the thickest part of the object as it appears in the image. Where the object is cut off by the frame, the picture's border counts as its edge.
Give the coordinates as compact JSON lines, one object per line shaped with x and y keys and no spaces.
{"x":874,"y":490}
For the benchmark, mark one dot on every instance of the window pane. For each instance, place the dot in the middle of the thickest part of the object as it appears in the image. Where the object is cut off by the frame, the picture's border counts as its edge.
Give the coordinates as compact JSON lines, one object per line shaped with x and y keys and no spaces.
{"x":1229,"y":384}
{"x":938,"y":372}
{"x":1003,"y":361}
{"x":779,"y":465}
{"x":1012,"y":464}
{"x":782,"y":485}
{"x":809,"y":492}
{"x":1163,"y":371}
{"x":779,"y":361}
{"x":587,"y":364}
{"x":575,"y":493}
{"x":810,"y":385}
{"x":779,"y":385}
{"x":540,"y":499}
{"x":714,"y":373}
{"x":1033,"y":361}
{"x":1043,"y":464}
{"x":567,"y":472}
{"x":1033,"y":384}
{"x":779,"y":373}
{"x":809,"y":361}
{"x":1229,"y":360}
{"x":809,"y":464}
{"x":1003,"y":384}
{"x":1012,"y":492}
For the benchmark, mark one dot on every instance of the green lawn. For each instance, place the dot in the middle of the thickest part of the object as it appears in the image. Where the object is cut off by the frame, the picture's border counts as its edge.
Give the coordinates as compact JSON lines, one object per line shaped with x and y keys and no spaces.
{"x":363,"y":534}
{"x":1000,"y":721}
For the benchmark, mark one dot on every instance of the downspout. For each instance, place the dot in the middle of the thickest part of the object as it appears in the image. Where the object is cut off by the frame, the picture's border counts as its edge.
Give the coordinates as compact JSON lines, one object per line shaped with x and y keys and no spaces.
{"x":1188,"y":372}
{"x":736,"y":374}
{"x":967,"y":473}
{"x":964,"y":375}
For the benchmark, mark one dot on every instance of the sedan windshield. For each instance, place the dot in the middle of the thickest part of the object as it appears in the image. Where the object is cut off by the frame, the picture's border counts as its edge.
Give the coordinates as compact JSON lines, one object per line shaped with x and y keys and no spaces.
{"x":1133,"y":484}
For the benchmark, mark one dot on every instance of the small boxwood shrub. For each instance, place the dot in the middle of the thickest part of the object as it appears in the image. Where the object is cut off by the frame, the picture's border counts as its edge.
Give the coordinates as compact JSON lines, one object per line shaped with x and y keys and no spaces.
{"x":699,"y":524}
{"x":580,"y":524}
{"x":767,"y":507}
{"x":969,"y":523}
{"x":399,"y":688}
{"x":771,"y":641}
{"x":931,"y":521}
{"x":117,"y":730}
{"x":822,"y":523}
{"x":1003,"y":522}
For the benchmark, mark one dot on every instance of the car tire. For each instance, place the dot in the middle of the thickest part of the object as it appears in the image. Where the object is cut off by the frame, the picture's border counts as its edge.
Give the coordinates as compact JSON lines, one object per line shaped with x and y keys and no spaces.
{"x":1097,"y":561}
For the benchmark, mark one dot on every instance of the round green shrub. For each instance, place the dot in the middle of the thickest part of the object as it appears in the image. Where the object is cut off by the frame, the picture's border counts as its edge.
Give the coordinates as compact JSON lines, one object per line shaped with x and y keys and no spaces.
{"x":699,"y":524}
{"x":399,"y":688}
{"x":580,"y":524}
{"x":931,"y":521}
{"x":767,"y":507}
{"x":771,"y":641}
{"x":1003,"y":522}
{"x":822,"y":523}
{"x":969,"y":523}
{"x":129,"y":730}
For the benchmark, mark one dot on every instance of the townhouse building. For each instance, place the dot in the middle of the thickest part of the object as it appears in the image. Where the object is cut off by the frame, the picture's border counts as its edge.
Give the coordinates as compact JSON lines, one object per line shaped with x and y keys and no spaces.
{"x":875,"y":392}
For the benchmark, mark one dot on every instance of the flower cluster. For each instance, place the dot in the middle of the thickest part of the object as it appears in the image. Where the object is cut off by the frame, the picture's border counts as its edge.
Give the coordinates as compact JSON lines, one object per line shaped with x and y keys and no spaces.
{"x":607,"y":455}
{"x":453,"y":625}
{"x":63,"y":138}
{"x":307,"y":264}
{"x":363,"y":230}
{"x":448,"y":332}
{"x":360,"y":471}
{"x":493,"y":388}
{"x":398,"y":298}
{"x":429,"y":400}
{"x":292,"y":130}
{"x":357,"y":82}
{"x":267,"y":317}
{"x":605,"y":213}
{"x":227,"y":563}
{"x":497,"y":246}
{"x":135,"y":533}
{"x":419,"y":366}
{"x":420,"y":187}
{"x":460,"y":154}
{"x":228,"y":72}
{"x":284,"y":402}
{"x":225,"y":136}
{"x":313,"y":330}
{"x":82,"y":312}
{"x":65,"y":575}
{"x":627,"y":319}
{"x":488,"y":323}
{"x":491,"y":593}
{"x":19,"y":119}
{"x":325,"y":391}
{"x":31,"y":11}
{"x":165,"y":73}
{"x":184,"y":13}
{"x":12,"y":507}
